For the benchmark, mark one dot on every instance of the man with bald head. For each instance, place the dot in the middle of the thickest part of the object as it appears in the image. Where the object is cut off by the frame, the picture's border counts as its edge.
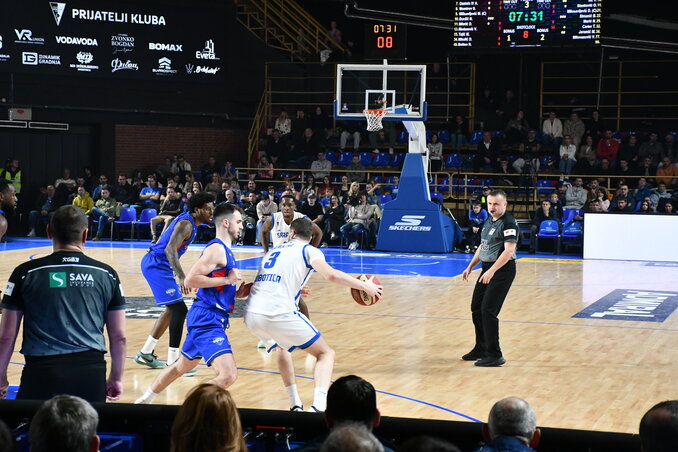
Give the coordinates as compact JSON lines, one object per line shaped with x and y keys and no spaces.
{"x":659,"y":427}
{"x":512,"y":426}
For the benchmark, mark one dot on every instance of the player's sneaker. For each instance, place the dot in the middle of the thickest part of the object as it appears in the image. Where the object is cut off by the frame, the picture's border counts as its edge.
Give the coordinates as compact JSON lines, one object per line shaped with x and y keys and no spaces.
{"x":191,"y":372}
{"x":149,"y":360}
{"x":297,"y":408}
{"x":314,"y":410}
{"x":261,"y":344}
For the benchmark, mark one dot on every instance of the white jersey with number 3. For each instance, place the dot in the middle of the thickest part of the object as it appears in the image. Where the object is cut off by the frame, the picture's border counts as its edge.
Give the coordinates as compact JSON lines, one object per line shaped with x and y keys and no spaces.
{"x":280,"y":231}
{"x":282,"y":273}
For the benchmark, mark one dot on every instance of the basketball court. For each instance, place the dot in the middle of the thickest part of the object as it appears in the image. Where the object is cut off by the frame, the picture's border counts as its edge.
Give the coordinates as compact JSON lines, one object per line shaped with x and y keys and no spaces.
{"x":590,"y":372}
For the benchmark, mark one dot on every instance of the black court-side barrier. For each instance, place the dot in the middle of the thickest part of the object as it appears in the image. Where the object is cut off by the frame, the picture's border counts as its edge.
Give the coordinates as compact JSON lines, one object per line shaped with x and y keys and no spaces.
{"x":269,"y":430}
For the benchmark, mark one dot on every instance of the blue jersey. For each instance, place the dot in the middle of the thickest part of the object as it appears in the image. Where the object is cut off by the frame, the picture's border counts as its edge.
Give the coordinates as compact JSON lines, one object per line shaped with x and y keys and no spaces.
{"x":222,"y":297}
{"x":158,"y":250}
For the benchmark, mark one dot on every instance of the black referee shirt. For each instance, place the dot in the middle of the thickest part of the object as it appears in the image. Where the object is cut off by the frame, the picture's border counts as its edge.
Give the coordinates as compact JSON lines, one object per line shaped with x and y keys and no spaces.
{"x":64,"y":298}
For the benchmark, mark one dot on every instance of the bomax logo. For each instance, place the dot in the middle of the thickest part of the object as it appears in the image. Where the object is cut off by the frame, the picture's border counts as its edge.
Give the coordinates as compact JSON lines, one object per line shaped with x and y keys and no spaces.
{"x":410,"y":223}
{"x":57,"y":11}
{"x":57,"y":279}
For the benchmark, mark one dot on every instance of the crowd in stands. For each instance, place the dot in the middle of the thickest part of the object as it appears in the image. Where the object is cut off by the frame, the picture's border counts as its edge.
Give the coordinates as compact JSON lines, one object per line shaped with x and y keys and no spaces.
{"x":209,"y":420}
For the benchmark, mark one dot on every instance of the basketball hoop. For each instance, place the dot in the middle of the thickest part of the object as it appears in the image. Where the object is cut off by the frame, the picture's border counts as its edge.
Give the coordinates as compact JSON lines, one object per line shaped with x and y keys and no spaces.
{"x":374,"y":116}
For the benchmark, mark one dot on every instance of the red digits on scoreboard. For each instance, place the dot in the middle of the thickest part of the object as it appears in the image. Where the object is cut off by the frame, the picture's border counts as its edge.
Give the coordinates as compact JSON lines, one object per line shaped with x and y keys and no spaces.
{"x":386,"y":42}
{"x":525,"y":34}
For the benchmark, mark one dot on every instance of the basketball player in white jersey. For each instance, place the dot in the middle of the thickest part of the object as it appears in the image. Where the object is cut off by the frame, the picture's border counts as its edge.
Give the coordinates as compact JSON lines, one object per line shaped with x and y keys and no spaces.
{"x":272,"y":312}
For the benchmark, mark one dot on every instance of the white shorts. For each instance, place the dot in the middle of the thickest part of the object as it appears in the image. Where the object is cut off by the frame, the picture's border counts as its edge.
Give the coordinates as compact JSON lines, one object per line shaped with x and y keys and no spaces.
{"x":289,"y":331}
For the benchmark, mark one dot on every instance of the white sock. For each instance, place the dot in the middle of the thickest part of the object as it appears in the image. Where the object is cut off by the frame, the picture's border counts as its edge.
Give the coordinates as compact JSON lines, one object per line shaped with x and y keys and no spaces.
{"x":320,"y":398}
{"x":293,"y":395}
{"x":147,"y":397}
{"x":172,"y":355}
{"x":149,"y":346}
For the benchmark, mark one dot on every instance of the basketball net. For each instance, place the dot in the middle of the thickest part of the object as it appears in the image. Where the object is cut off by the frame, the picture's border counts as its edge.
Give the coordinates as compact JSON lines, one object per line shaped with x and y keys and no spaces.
{"x":375,"y":115}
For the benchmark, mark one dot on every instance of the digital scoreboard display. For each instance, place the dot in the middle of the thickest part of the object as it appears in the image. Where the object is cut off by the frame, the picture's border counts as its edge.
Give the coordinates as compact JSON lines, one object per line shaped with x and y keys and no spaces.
{"x":385,"y":41}
{"x":526,"y":23}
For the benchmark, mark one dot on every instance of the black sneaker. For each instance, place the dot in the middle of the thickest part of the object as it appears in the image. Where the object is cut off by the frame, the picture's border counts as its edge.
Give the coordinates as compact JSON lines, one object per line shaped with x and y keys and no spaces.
{"x":297,"y":408}
{"x":314,"y":410}
{"x":473,"y":355}
{"x":491,"y":361}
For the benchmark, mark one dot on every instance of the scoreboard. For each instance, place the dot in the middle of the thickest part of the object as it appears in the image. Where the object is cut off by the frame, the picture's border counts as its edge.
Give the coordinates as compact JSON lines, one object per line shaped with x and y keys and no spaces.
{"x":385,"y":41}
{"x":526,"y":23}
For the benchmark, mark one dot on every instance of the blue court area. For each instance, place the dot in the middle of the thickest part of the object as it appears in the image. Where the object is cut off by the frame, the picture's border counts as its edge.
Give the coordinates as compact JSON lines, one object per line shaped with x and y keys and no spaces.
{"x":371,"y":262}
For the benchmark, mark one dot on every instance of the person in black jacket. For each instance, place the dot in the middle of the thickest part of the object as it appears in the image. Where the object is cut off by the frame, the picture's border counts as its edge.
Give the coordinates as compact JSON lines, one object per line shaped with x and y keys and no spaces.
{"x":487,"y":153}
{"x":545,"y":212}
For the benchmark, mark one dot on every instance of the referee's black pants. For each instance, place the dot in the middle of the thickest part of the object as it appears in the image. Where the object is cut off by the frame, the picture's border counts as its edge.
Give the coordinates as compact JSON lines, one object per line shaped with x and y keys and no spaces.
{"x":80,"y":374}
{"x":486,"y":304}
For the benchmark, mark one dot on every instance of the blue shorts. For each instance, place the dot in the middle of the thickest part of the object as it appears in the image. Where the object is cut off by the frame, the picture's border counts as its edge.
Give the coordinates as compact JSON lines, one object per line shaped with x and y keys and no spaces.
{"x":206,"y":337}
{"x":160,"y":277}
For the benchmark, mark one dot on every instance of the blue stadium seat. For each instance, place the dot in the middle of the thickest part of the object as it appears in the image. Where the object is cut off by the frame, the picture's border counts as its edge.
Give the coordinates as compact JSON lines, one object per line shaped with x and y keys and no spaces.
{"x":573,"y":234}
{"x":366,"y":158}
{"x":385,"y":199}
{"x":548,"y":229}
{"x":345,"y":158}
{"x":429,"y":133}
{"x":444,"y":183}
{"x":454,"y":161}
{"x":331,"y":156}
{"x":381,"y":159}
{"x":402,"y":137}
{"x":545,"y":187}
{"x":144,"y":220}
{"x":437,"y":195}
{"x":128,"y":216}
{"x":476,"y":137}
{"x":444,"y":136}
{"x":397,"y":159}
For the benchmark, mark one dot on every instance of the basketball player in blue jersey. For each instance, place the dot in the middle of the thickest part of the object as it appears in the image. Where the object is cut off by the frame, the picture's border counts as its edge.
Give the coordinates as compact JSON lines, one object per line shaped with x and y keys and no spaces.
{"x":163,"y":272}
{"x":215,"y":275}
{"x":272,"y":312}
{"x":7,"y":204}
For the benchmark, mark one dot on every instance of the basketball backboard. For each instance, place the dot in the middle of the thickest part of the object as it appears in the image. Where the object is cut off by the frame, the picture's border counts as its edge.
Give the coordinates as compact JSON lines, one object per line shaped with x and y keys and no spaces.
{"x":366,"y":86}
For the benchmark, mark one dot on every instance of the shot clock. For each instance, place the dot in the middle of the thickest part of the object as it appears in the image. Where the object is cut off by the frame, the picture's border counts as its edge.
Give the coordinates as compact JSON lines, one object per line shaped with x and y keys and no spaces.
{"x":385,"y":41}
{"x":526,"y":23}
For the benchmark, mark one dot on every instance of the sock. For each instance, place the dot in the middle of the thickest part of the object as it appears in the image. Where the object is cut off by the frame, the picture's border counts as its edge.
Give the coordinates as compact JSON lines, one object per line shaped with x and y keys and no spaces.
{"x":320,"y":398}
{"x":148,"y":397}
{"x":149,"y":346}
{"x":172,"y":355}
{"x":293,"y":395}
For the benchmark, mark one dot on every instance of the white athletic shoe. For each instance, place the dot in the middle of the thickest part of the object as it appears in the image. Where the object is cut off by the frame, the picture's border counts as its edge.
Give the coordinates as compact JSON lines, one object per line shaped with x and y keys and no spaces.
{"x":353,"y":246}
{"x":261,"y":345}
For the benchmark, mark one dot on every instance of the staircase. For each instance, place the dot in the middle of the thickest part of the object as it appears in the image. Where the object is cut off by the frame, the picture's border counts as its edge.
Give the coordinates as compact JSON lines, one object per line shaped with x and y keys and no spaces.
{"x":286,"y":26}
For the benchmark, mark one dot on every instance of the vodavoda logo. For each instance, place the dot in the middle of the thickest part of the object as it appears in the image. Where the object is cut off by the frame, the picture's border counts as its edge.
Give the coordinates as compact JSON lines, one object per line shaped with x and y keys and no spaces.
{"x":25,"y":36}
{"x":57,"y":11}
{"x":410,"y":223}
{"x":71,"y":40}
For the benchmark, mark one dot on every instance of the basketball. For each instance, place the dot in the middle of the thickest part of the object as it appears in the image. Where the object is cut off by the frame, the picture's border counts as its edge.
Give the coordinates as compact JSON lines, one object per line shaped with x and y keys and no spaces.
{"x":360,"y":296}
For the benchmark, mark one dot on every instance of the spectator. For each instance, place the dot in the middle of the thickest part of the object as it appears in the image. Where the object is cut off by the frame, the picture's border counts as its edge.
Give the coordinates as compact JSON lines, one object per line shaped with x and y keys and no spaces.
{"x":359,"y":217}
{"x":557,"y":205}
{"x":304,"y":148}
{"x":642,"y":191}
{"x":352,"y":196}
{"x":372,"y":190}
{"x":299,"y":124}
{"x":487,"y":153}
{"x":645,"y":207}
{"x":546,"y":212}
{"x":343,"y":188}
{"x":659,"y":195}
{"x":334,"y":42}
{"x":575,"y":196}
{"x":651,"y":148}
{"x":435,"y":153}
{"x":221,"y":195}
{"x":265,"y":168}
{"x":123,"y":192}
{"x":325,"y":187}
{"x":63,"y":340}
{"x":586,"y":156}
{"x":308,"y":188}
{"x":181,"y":167}
{"x":596,"y":127}
{"x":552,"y":131}
{"x":188,"y":183}
{"x":516,"y":129}
{"x":249,"y":207}
{"x":231,"y":198}
{"x":608,"y":147}
{"x":659,"y":427}
{"x":64,"y":423}
{"x":647,"y":169}
{"x":604,"y":168}
{"x":96,"y":193}
{"x":320,"y":124}
{"x":276,"y":148}
{"x":313,"y":210}
{"x":351,"y":129}
{"x":458,"y":133}
{"x":529,"y":150}
{"x":228,"y":170}
{"x":265,"y":208}
{"x":170,"y":207}
{"x":83,"y":200}
{"x":104,"y":210}
{"x":283,"y":124}
{"x":384,"y":137}
{"x":12,"y":173}
{"x":476,"y":217}
{"x":622,"y":206}
{"x":567,"y":155}
{"x":356,"y":170}
{"x":670,"y":146}
{"x":235,"y":187}
{"x":506,"y":176}
{"x":214,"y":184}
{"x":196,"y":186}
{"x":150,"y":194}
{"x":668,"y":208}
{"x":251,"y":188}
{"x":208,"y":420}
{"x":351,"y":437}
{"x":209,"y":168}
{"x":165,"y":170}
{"x":334,"y":219}
{"x":45,"y":207}
{"x":603,"y":199}
{"x":592,"y":189}
{"x":622,"y":193}
{"x":629,"y":151}
{"x":575,"y":128}
{"x":512,"y":426}
{"x":624,"y":171}
{"x":321,"y":167}
{"x":486,"y":107}
{"x":667,"y":173}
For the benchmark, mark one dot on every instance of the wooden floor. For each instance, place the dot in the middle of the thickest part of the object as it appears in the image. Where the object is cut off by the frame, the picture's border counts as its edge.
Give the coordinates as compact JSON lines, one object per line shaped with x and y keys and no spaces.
{"x":592,"y":374}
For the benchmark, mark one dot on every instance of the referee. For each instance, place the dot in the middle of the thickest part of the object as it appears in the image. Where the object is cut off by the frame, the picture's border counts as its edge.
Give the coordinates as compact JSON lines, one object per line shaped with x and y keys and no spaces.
{"x":65,"y":299}
{"x":497,"y":252}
